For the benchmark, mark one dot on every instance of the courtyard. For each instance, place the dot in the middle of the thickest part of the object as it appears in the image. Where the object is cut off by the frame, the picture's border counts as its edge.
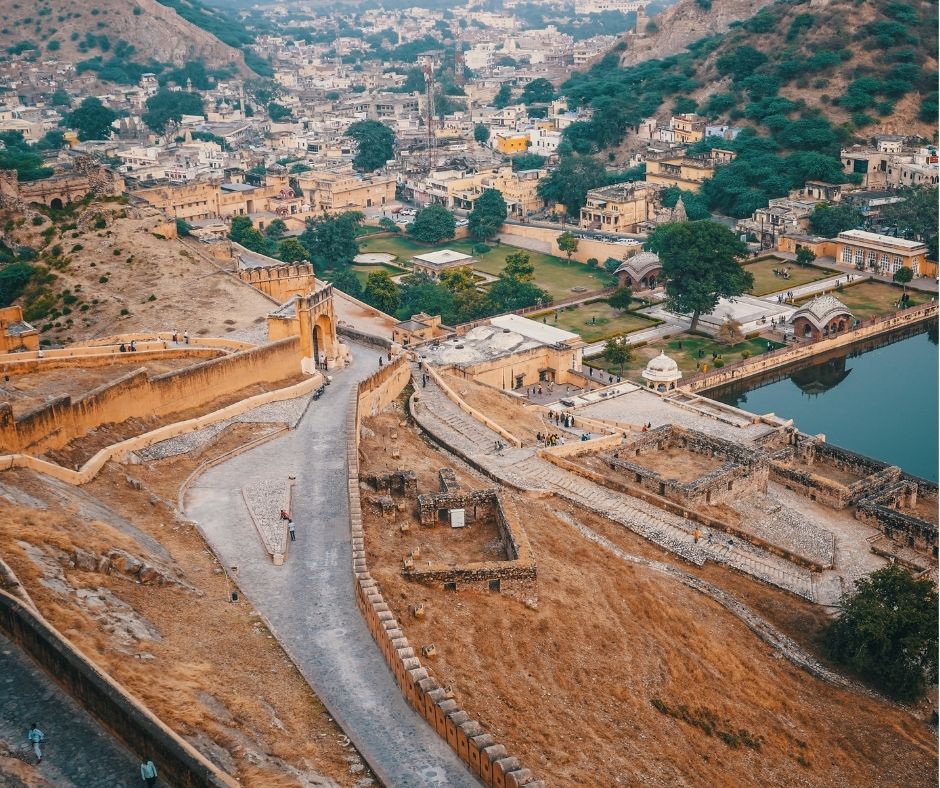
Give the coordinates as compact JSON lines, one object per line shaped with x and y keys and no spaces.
{"x":596,"y":320}
{"x":554,"y":274}
{"x":766,"y":282}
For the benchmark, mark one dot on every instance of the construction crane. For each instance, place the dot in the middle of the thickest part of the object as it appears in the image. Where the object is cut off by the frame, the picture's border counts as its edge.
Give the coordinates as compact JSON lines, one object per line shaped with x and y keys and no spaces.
{"x":429,"y":88}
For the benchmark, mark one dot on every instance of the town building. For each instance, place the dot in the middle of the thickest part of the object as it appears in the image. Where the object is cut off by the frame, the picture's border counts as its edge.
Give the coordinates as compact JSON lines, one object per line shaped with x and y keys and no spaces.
{"x":510,"y":143}
{"x":620,"y":208}
{"x":821,"y":317}
{"x":418,"y":329}
{"x":15,"y":333}
{"x":435,"y":263}
{"x":882,"y":253}
{"x":781,"y":216}
{"x":686,"y":172}
{"x":336,"y":191}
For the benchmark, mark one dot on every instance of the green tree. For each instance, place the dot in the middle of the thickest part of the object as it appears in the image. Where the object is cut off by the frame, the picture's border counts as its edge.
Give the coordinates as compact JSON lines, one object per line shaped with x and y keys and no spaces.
{"x":433,"y":224}
{"x":469,"y":302}
{"x":481,"y":133}
{"x":611,"y":264}
{"x":488,"y":214}
{"x":348,"y":282}
{"x":518,"y":268}
{"x":183,"y":227}
{"x":830,"y":220}
{"x":14,"y":278}
{"x":239,"y":226}
{"x":420,"y":293}
{"x":527,"y":161}
{"x":538,"y":91}
{"x":887,"y":632}
{"x":567,"y":243}
{"x":388,"y":225}
{"x":805,"y":256}
{"x":92,"y":120}
{"x":60,"y":98}
{"x":700,"y":265}
{"x":570,"y":181}
{"x":276,"y":229}
{"x":278,"y":112}
{"x":165,"y":109}
{"x":503,"y":96}
{"x":621,"y":299}
{"x":616,"y":352}
{"x":376,"y":144}
{"x":903,"y":275}
{"x":916,"y":216}
{"x":290,"y":250}
{"x":16,"y":154}
{"x":332,"y":240}
{"x":381,"y":292}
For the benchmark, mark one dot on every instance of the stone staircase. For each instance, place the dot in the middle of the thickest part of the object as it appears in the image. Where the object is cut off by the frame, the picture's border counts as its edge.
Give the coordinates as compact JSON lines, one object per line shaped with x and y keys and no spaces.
{"x":523,"y":469}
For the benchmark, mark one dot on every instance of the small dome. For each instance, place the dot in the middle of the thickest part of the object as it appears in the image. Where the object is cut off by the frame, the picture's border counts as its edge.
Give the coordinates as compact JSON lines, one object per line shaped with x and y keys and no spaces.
{"x":662,"y":369}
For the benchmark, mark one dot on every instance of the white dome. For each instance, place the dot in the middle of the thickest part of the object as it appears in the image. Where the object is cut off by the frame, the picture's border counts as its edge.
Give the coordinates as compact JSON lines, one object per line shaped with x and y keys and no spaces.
{"x":662,"y":369}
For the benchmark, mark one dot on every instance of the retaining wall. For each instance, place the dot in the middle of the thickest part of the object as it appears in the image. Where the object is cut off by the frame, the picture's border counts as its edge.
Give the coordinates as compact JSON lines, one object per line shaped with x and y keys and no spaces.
{"x":177,"y":761}
{"x":135,"y":394}
{"x":485,"y":758}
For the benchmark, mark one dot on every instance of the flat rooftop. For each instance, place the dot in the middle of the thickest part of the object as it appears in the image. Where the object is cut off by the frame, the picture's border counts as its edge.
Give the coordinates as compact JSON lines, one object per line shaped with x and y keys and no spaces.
{"x":878,"y":238}
{"x":444,"y":257}
{"x":533,"y":329}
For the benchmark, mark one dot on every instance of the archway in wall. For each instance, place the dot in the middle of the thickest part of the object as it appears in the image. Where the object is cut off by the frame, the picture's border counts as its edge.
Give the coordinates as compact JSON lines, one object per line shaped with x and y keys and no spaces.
{"x":56,"y":204}
{"x":324,"y":340}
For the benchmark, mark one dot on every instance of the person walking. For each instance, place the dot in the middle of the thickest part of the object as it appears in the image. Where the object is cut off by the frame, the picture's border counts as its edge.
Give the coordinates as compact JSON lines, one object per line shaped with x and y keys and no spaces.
{"x":36,"y":737}
{"x":148,"y":773}
{"x":291,"y":530}
{"x":186,"y":337}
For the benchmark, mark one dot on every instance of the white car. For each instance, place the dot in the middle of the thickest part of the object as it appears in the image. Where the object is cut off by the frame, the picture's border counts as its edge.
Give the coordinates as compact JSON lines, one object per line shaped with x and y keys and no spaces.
{"x":461,"y":223}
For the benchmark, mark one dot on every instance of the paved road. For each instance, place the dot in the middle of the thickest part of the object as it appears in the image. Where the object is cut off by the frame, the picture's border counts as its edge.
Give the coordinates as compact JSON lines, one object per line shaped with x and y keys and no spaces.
{"x":309,"y":602}
{"x":79,"y":752}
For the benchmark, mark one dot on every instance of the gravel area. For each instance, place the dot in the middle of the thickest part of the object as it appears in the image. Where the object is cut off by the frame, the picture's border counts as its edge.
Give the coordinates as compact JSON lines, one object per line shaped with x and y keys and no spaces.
{"x":265,"y":499}
{"x":768,"y":518}
{"x":285,"y":412}
{"x":257,"y":334}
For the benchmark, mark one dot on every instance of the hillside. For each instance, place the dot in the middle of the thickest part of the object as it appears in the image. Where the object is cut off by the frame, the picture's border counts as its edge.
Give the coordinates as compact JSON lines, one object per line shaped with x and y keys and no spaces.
{"x":73,"y":31}
{"x":684,"y":23}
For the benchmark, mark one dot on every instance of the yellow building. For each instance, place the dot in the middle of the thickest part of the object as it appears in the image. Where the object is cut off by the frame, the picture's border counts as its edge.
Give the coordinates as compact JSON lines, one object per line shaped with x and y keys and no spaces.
{"x":619,"y":208}
{"x":519,"y":190}
{"x":15,"y":333}
{"x":687,"y":128}
{"x":209,"y":200}
{"x":334,"y":192}
{"x":882,"y":253}
{"x":510,"y":144}
{"x":686,"y":172}
{"x":420,"y":328}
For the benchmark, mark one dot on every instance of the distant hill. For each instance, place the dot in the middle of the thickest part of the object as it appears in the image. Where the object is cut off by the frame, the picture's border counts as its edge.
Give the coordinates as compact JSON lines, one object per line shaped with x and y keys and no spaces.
{"x":128,"y":35}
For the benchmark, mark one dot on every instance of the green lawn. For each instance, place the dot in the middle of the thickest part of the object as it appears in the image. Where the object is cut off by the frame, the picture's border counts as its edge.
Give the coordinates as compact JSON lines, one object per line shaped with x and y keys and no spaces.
{"x":765,"y":282}
{"x":870,"y":298}
{"x":553,"y":274}
{"x":684,"y":350}
{"x":362,"y":271}
{"x":595,"y":321}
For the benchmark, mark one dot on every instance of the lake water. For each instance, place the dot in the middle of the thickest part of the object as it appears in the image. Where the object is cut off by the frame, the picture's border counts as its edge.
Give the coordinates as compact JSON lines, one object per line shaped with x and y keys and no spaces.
{"x":877,"y":401}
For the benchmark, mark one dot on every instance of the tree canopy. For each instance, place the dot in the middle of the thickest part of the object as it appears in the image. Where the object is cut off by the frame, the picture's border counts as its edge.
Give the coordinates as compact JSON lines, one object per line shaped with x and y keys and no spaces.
{"x":503,"y":96}
{"x":700,"y":265}
{"x":381,"y":292}
{"x":538,"y":91}
{"x":16,"y":154}
{"x":830,"y":220}
{"x":332,"y":240}
{"x":916,"y":216}
{"x":481,"y":133}
{"x":567,"y":243}
{"x":376,"y":144}
{"x":432,"y":224}
{"x":570,"y":181}
{"x":488,"y":214}
{"x":92,"y":119}
{"x":165,"y":109}
{"x":887,"y":632}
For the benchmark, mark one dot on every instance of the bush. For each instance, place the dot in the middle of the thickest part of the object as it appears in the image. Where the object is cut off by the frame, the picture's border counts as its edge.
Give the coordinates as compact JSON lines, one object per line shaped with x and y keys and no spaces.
{"x":125,"y":312}
{"x":719,"y":362}
{"x":592,"y":262}
{"x":38,"y":220}
{"x":481,"y":248}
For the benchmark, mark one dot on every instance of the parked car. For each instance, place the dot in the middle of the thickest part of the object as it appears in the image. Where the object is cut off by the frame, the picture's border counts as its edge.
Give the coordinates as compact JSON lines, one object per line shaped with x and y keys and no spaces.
{"x":461,"y":223}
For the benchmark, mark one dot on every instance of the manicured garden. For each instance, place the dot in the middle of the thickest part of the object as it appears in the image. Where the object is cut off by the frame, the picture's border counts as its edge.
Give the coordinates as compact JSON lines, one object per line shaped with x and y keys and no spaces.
{"x":692,"y":352}
{"x":554,"y":274}
{"x":766,"y":282}
{"x":595,"y":320}
{"x":869,"y":298}
{"x":362,"y":271}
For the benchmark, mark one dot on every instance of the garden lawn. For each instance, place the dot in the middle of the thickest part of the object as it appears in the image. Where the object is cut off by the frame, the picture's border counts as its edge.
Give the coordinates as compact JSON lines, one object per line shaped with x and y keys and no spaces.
{"x":684,"y":350}
{"x":871,"y":298}
{"x":608,"y":322}
{"x":362,"y":271}
{"x":554,"y":274}
{"x":765,"y":282}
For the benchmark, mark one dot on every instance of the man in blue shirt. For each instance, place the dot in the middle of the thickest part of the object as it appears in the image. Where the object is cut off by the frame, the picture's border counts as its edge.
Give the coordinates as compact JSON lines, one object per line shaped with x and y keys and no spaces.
{"x":148,"y":773}
{"x":36,"y":738}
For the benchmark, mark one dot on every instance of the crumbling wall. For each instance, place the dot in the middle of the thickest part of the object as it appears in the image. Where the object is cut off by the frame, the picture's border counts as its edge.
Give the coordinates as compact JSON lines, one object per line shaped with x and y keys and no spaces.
{"x":883,"y":510}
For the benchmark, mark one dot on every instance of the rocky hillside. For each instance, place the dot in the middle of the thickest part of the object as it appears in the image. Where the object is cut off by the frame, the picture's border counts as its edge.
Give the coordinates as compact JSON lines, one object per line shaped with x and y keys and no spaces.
{"x":687,"y":21}
{"x":75,"y":30}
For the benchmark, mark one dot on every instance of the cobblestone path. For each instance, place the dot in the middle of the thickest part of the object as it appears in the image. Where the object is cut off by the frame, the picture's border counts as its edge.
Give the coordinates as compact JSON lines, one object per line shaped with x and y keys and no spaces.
{"x":78,"y":752}
{"x":309,"y":602}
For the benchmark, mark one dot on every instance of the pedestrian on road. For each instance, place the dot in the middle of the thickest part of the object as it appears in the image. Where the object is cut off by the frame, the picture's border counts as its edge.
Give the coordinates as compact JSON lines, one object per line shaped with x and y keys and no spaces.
{"x":380,"y":361}
{"x":186,"y":337}
{"x":148,"y":773}
{"x":36,"y":737}
{"x":285,"y":515}
{"x":291,"y":531}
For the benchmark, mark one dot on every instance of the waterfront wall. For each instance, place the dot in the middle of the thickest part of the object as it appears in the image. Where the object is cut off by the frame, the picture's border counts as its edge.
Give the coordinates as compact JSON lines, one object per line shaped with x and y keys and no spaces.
{"x":732,"y":373}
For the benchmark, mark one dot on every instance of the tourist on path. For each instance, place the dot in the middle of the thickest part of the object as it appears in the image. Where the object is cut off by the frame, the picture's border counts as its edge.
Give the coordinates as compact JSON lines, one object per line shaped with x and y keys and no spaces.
{"x":291,"y":531}
{"x":148,"y":773}
{"x":36,"y":738}
{"x":380,"y":361}
{"x":186,"y":337}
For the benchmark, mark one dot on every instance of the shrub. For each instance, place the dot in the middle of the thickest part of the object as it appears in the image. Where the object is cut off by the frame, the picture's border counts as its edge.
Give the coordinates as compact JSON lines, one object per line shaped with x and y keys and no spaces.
{"x":481,"y":248}
{"x":38,"y":220}
{"x":125,"y":312}
{"x":102,"y":279}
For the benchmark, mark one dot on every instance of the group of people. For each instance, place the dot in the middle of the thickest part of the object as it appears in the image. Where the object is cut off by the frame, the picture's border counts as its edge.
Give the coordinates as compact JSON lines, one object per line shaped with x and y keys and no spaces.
{"x":551,"y":439}
{"x":176,"y":337}
{"x":131,"y":348}
{"x":291,"y":531}
{"x":36,"y":739}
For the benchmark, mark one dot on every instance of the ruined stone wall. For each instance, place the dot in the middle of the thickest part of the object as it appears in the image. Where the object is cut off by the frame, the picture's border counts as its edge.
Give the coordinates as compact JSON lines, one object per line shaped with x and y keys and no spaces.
{"x":478,"y":504}
{"x":486,"y":759}
{"x":882,"y":510}
{"x":135,"y":394}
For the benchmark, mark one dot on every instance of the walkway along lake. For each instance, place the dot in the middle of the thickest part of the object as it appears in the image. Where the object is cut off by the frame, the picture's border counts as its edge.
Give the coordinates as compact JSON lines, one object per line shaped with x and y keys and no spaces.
{"x":877,"y":398}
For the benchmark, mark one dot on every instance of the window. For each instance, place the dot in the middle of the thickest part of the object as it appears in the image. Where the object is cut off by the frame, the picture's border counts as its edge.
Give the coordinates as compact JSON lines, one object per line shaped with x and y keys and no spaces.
{"x":846,"y":254}
{"x":859,"y":256}
{"x":884,"y":260}
{"x":897,"y":261}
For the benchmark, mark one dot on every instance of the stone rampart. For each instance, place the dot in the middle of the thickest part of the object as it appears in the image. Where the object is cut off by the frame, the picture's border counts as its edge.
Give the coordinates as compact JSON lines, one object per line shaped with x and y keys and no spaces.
{"x":97,"y":357}
{"x":883,"y":510}
{"x":135,"y":394}
{"x":178,"y":762}
{"x":382,"y":388}
{"x":280,"y":282}
{"x":485,"y":758}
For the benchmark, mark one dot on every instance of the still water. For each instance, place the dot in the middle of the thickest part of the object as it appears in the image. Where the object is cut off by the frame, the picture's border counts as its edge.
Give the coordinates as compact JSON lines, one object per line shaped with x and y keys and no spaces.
{"x":881,"y":401}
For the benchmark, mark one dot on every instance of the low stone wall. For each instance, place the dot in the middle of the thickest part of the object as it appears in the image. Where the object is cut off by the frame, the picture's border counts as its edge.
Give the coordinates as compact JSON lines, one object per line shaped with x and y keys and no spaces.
{"x":135,"y":394}
{"x":882,"y":511}
{"x":120,"y":451}
{"x":792,"y":354}
{"x":486,"y":759}
{"x":178,"y":762}
{"x":361,"y":336}
{"x":379,"y":390}
{"x":460,"y":403}
{"x":101,"y":358}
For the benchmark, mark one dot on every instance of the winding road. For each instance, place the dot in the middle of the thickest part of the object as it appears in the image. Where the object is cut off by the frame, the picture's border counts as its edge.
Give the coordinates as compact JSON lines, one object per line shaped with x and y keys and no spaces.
{"x":309,"y":602}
